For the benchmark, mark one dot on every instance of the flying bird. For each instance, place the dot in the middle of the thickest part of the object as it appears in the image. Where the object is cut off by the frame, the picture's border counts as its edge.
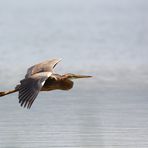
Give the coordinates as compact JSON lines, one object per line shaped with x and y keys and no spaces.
{"x":41,"y":77}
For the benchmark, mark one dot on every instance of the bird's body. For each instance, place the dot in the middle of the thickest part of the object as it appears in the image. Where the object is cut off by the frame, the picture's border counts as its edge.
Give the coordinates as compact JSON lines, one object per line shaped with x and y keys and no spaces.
{"x":41,"y":77}
{"x":60,"y":82}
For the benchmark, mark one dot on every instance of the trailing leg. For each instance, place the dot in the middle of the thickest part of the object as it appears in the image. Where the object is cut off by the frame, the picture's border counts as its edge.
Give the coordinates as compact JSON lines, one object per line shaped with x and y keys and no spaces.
{"x":3,"y":93}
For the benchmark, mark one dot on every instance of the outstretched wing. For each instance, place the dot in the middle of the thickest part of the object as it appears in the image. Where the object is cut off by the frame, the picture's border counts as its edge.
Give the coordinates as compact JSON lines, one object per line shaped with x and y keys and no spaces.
{"x":30,"y":87}
{"x":46,"y":66}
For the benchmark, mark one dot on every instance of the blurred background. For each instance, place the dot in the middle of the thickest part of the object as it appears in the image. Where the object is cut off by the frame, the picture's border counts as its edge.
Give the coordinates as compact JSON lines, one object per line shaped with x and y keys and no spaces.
{"x":104,"y":38}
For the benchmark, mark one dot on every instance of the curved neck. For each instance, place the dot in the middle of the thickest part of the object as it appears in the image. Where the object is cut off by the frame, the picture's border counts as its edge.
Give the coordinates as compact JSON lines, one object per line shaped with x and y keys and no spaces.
{"x":66,"y":84}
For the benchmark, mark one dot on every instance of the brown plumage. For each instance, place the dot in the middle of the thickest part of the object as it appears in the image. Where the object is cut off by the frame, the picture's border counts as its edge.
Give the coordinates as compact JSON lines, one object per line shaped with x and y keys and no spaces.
{"x":41,"y":77}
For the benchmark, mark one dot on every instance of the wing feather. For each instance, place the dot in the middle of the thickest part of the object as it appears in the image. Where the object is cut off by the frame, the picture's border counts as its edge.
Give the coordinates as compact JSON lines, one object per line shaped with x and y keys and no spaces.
{"x":46,"y":66}
{"x":30,"y":87}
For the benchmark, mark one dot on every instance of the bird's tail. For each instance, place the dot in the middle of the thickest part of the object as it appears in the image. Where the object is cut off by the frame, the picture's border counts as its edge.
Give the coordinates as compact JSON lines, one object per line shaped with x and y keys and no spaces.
{"x":3,"y":93}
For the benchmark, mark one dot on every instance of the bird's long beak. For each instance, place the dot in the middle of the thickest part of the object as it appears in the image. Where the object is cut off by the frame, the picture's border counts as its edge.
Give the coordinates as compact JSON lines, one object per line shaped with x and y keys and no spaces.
{"x":79,"y":76}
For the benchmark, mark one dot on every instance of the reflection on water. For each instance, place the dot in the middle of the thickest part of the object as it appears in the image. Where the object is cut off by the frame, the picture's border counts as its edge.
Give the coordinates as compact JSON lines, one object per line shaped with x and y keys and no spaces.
{"x":106,"y":39}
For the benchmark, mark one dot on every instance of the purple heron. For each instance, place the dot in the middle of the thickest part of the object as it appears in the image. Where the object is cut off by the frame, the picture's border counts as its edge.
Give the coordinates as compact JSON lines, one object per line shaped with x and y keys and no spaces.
{"x":41,"y":77}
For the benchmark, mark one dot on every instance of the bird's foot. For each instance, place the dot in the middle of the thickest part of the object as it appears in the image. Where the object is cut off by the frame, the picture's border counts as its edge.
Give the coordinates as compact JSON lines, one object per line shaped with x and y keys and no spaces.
{"x":2,"y":93}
